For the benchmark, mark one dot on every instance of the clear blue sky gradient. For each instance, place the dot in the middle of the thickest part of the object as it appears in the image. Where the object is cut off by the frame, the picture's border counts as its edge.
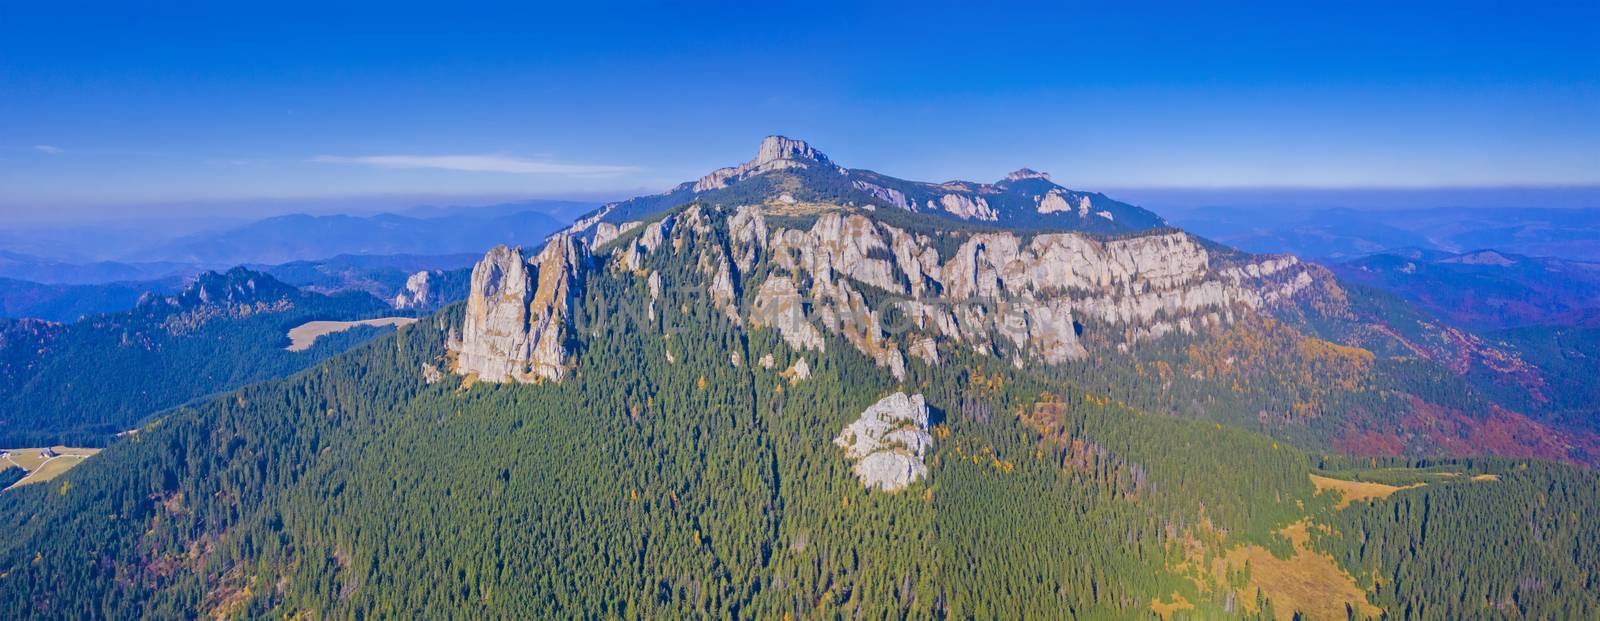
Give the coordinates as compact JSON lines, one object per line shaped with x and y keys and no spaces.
{"x":111,"y":103}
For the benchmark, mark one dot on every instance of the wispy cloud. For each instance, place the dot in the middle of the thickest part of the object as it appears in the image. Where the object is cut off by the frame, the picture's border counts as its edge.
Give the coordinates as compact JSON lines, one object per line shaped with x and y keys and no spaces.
{"x":48,"y":149}
{"x":475,"y":163}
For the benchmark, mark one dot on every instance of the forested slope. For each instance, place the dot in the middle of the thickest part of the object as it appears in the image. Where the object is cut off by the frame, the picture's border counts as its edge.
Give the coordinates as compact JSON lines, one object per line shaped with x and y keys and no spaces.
{"x":80,"y":383}
{"x":646,"y":488}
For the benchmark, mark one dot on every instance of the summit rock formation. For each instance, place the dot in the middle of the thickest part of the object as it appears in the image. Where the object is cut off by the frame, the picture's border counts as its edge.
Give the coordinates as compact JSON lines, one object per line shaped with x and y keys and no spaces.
{"x":775,"y":153}
{"x":793,"y":173}
{"x":517,"y":310}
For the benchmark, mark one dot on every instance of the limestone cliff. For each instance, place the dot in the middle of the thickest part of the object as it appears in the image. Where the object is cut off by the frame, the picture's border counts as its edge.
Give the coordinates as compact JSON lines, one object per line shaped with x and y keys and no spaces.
{"x":890,"y":293}
{"x":815,"y":252}
{"x":517,"y":314}
{"x":417,"y":293}
{"x":888,"y":442}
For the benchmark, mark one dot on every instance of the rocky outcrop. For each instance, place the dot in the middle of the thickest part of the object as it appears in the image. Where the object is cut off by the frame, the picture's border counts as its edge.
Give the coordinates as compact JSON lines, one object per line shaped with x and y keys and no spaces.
{"x":235,"y":294}
{"x":888,"y":442}
{"x":798,"y":372}
{"x":888,"y":195}
{"x":775,"y":153}
{"x":778,"y":304}
{"x":604,"y":232}
{"x":517,"y":314}
{"x":417,"y":292}
{"x":965,"y":207}
{"x":1059,"y":200}
{"x":891,"y":295}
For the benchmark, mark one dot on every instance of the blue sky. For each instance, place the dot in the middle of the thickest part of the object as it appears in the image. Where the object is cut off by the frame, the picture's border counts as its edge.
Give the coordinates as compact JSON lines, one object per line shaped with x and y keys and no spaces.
{"x":108,"y":105}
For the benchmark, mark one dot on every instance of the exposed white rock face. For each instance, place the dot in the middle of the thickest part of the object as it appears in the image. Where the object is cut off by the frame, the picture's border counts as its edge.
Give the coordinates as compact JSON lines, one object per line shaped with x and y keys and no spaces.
{"x":417,"y":294}
{"x":776,"y":153}
{"x":798,"y":372}
{"x":888,"y":195}
{"x":890,"y":294}
{"x":965,"y":207}
{"x":605,"y":231}
{"x":517,"y":311}
{"x":1059,"y":200}
{"x":749,"y":232}
{"x":888,"y":442}
{"x":590,"y":221}
{"x":1052,"y":202}
{"x":653,"y":236}
{"x":994,"y":286}
{"x":778,"y":304}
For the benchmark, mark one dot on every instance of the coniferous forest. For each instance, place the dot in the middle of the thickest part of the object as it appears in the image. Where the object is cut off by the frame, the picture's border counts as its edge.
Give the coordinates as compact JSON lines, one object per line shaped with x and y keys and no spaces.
{"x":657,"y":486}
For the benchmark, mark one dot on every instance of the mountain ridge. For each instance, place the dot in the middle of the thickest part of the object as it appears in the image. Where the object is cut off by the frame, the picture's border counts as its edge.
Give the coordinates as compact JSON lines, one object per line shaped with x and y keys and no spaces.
{"x":792,"y":172}
{"x":899,"y":286}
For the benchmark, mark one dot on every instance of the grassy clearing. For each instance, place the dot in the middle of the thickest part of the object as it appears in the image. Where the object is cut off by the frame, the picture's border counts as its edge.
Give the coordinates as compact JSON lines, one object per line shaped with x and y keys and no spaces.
{"x":41,"y":469}
{"x":1352,"y":491}
{"x":303,"y":336}
{"x":1309,"y":582}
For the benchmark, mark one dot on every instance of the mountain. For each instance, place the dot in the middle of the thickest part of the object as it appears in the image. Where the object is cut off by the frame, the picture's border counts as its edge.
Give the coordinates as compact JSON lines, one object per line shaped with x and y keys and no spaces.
{"x":417,"y":280}
{"x":407,"y":281}
{"x":67,"y":303}
{"x":744,"y":406}
{"x":1486,"y":289}
{"x":18,"y":266}
{"x":182,"y":249}
{"x":72,"y":384}
{"x":300,"y":237}
{"x":795,"y":178}
{"x":1344,"y":234}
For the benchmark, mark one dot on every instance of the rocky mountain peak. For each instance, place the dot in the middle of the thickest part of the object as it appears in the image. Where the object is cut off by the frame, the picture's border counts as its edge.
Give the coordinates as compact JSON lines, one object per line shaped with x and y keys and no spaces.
{"x":774,"y":148}
{"x":236,"y":293}
{"x":775,"y":153}
{"x":1027,"y":173}
{"x":238,"y":287}
{"x":792,"y":176}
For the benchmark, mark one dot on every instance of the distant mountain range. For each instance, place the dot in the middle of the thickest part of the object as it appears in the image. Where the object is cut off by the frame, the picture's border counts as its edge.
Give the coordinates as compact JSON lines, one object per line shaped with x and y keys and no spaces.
{"x":301,"y":237}
{"x":1339,"y":234}
{"x":42,"y":270}
{"x":381,"y":276}
{"x":137,"y":252}
{"x":66,"y":303}
{"x":331,"y":253}
{"x":1487,"y":289}
{"x":79,"y":383}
